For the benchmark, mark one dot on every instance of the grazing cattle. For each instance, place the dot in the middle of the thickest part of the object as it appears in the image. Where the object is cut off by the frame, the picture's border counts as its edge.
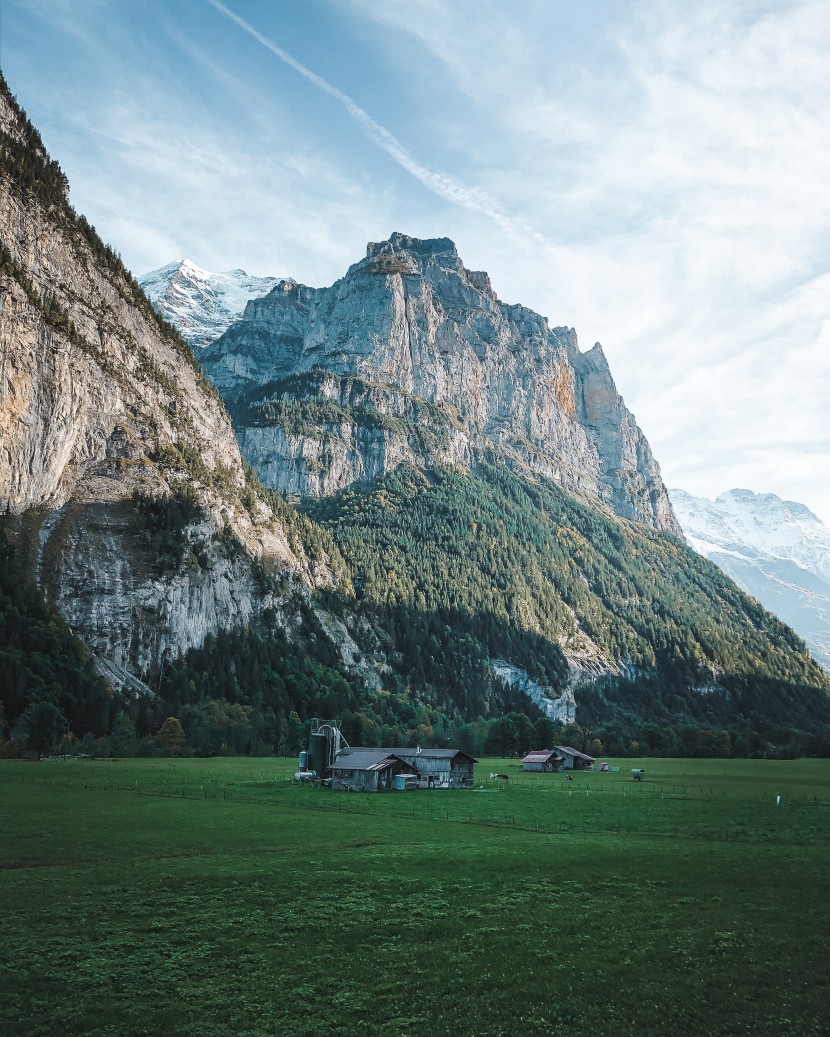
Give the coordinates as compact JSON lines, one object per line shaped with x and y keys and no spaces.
{"x":499,"y":777}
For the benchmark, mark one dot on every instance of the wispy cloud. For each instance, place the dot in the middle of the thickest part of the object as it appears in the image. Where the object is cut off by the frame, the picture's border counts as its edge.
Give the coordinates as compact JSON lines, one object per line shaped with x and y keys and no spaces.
{"x":683,"y":178}
{"x":441,"y":184}
{"x":672,"y":162}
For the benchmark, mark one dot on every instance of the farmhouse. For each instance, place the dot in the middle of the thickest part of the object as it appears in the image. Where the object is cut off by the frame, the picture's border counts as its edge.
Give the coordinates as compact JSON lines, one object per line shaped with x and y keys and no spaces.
{"x":368,"y":770}
{"x":574,"y":760}
{"x":376,"y":769}
{"x":543,"y":760}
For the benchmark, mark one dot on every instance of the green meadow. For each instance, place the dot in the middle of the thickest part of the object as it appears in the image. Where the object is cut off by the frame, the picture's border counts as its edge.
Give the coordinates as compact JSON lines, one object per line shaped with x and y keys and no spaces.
{"x":216,"y":897}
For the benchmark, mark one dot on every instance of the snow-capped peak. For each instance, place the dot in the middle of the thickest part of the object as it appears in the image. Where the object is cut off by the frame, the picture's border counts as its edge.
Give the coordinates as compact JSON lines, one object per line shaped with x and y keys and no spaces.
{"x":777,"y":550}
{"x":761,"y":521}
{"x":202,"y":304}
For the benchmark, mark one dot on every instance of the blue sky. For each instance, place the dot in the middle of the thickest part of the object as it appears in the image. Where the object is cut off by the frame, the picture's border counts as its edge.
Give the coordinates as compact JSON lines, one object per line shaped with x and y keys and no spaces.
{"x":651,"y":173}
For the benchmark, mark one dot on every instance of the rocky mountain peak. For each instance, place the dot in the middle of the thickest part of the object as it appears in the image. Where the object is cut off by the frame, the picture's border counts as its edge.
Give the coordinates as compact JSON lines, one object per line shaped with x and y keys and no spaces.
{"x":422,"y":247}
{"x":596,"y":359}
{"x":405,"y":255}
{"x":410,"y":326}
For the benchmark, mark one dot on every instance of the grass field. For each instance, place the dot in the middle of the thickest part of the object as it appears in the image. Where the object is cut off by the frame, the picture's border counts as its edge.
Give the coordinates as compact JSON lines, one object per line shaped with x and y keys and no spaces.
{"x":215,"y":897}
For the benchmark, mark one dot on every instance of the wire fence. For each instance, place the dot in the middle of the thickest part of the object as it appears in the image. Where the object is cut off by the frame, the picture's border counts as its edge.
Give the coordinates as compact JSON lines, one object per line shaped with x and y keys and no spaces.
{"x":531,"y":812}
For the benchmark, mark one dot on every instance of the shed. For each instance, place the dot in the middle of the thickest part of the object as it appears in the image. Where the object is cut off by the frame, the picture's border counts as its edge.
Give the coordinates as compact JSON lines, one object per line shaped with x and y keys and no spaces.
{"x":543,"y":760}
{"x":574,"y":759}
{"x":367,"y":770}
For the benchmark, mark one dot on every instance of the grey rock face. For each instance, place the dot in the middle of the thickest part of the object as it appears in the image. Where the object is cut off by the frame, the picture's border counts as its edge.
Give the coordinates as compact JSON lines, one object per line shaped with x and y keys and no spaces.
{"x":83,"y":409}
{"x":560,"y":707}
{"x":410,"y":327}
{"x":93,"y":566}
{"x":96,"y":403}
{"x":323,"y":432}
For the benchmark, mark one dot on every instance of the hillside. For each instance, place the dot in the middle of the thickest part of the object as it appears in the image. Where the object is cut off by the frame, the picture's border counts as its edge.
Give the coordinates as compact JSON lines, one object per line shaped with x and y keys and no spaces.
{"x":494,"y":611}
{"x":461,"y":569}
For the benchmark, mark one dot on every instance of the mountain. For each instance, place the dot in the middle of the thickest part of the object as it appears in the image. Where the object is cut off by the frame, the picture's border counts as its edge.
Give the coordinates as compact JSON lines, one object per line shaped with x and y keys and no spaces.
{"x":778,"y":551}
{"x":127,"y":505}
{"x":500,"y":513}
{"x":481,"y":550}
{"x":411,"y":356}
{"x":201,"y":304}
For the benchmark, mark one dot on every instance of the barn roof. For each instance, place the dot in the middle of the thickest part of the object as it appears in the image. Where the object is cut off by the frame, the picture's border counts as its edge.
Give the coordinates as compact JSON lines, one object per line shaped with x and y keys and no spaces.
{"x":366,"y":760}
{"x":542,"y":756}
{"x":573,"y":752}
{"x":433,"y":754}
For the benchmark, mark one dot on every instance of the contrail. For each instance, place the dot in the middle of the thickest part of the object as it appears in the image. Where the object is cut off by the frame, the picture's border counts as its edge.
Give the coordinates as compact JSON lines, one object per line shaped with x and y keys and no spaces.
{"x":439,"y":183}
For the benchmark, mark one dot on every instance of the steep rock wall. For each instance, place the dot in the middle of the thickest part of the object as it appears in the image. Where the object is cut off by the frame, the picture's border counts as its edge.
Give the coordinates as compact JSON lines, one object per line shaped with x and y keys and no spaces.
{"x":135,"y":613}
{"x":99,"y":401}
{"x":411,"y":321}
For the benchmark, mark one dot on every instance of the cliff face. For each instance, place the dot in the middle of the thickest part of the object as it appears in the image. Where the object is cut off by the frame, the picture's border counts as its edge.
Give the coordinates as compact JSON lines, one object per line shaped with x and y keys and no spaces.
{"x":100,"y":401}
{"x":412,"y":356}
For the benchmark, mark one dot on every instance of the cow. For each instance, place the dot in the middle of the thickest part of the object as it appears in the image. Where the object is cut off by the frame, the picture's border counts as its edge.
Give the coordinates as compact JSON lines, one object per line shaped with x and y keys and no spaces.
{"x":499,"y":777}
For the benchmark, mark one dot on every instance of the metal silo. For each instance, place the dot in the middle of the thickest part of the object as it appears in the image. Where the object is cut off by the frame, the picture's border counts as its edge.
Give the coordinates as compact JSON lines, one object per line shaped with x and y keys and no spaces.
{"x":325,"y":743}
{"x":318,"y":751}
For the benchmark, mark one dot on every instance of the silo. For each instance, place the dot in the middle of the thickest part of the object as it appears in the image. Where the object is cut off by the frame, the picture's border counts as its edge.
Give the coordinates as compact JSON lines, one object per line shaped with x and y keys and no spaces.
{"x":325,"y":743}
{"x":319,"y":754}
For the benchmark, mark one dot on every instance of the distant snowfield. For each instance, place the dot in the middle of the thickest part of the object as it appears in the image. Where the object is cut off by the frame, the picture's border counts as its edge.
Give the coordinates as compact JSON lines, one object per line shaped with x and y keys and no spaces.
{"x":202,"y":304}
{"x":776,"y":550}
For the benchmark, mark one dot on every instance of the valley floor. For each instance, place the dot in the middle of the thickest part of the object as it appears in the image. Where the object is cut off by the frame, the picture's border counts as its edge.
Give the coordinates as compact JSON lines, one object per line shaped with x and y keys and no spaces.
{"x":215,"y":896}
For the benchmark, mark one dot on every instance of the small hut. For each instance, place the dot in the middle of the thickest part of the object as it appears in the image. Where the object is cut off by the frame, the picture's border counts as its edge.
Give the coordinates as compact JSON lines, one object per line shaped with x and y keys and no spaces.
{"x":546,"y":760}
{"x":368,"y":770}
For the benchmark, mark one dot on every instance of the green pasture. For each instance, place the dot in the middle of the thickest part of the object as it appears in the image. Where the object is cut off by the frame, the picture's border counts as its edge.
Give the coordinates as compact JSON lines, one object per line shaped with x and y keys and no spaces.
{"x":213,"y":897}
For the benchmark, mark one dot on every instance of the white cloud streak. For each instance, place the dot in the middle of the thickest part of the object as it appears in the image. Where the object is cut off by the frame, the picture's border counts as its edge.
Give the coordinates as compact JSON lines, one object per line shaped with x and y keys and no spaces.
{"x":684,"y":178}
{"x":440,"y":184}
{"x":675,"y":160}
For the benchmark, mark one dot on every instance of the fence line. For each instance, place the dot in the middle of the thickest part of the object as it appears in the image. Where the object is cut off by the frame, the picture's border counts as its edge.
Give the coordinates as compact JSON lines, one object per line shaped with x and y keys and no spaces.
{"x":349,"y":805}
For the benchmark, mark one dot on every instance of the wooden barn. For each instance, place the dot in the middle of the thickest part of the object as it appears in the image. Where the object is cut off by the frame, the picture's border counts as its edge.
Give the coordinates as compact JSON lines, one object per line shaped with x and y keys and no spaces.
{"x":574,"y":760}
{"x":443,"y":768}
{"x":546,"y":760}
{"x":368,"y":770}
{"x":373,"y":770}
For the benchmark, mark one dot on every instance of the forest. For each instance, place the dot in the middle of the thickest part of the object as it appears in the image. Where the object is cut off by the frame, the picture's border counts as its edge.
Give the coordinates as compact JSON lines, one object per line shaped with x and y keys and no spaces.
{"x":447,"y":571}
